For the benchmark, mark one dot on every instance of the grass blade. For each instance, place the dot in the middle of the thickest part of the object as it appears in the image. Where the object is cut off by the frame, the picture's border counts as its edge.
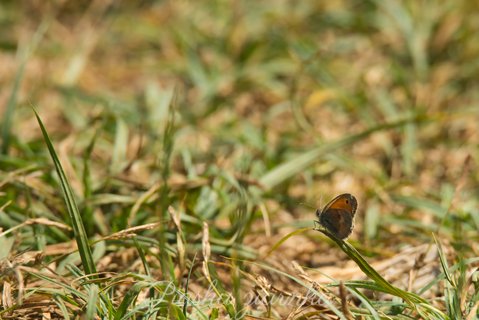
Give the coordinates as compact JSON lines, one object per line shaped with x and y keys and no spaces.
{"x":408,"y":297}
{"x":81,"y":237}
{"x":298,"y":164}
{"x":91,"y":310}
{"x":12,"y":100}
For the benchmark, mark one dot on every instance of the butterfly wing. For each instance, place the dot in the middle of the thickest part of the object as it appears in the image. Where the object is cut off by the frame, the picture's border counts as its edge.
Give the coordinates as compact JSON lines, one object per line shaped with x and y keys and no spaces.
{"x":338,"y":215}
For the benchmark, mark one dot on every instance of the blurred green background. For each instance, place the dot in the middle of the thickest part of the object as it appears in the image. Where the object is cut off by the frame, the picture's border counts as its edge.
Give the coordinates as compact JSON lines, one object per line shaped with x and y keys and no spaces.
{"x":246,"y":115}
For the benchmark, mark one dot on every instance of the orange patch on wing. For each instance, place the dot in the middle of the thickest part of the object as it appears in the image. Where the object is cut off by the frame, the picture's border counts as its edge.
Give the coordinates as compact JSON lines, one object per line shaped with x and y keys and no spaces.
{"x":342,"y":203}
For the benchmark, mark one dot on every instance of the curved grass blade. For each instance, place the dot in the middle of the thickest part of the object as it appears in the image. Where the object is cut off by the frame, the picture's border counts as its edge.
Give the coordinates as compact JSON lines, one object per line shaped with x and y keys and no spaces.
{"x":410,"y":298}
{"x":81,"y":237}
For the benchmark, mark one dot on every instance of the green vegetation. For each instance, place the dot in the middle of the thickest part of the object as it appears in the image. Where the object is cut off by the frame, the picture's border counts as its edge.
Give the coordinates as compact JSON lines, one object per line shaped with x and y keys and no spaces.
{"x":165,"y":159}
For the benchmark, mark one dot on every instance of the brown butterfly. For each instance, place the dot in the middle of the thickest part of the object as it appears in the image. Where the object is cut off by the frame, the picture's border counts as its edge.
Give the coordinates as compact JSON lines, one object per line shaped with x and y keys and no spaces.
{"x":338,"y":215}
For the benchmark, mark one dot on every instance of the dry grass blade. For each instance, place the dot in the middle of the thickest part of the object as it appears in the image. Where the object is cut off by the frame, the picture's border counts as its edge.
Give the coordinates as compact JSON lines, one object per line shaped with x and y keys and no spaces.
{"x":130,"y":232}
{"x":41,"y":221}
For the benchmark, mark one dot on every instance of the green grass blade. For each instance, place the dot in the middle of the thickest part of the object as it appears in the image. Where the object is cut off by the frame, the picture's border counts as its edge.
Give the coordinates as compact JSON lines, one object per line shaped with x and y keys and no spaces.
{"x":185,"y":304}
{"x":12,"y":100}
{"x":63,"y":308}
{"x":128,"y":299}
{"x":366,"y":303}
{"x":444,"y":265}
{"x":93,"y":295}
{"x":294,"y":166}
{"x":408,"y":297}
{"x":81,"y":237}
{"x":164,"y":168}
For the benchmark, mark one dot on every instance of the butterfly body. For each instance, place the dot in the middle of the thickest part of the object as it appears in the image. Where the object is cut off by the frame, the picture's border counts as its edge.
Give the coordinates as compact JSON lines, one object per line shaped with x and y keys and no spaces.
{"x":338,"y":215}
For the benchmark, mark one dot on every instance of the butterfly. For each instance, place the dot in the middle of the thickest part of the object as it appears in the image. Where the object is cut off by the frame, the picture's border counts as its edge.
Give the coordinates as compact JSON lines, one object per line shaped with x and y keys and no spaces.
{"x":337,"y":216}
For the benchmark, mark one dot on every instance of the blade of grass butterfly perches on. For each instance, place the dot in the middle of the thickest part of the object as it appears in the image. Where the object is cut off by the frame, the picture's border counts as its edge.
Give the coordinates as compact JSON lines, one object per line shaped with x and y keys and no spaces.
{"x":408,"y":297}
{"x":336,"y":221}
